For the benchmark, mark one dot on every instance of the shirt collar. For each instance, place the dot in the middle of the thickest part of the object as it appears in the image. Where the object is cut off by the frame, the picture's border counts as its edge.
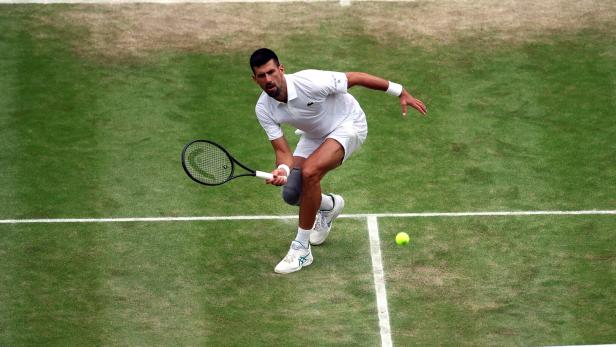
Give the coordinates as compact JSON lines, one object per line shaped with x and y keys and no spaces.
{"x":291,"y":91}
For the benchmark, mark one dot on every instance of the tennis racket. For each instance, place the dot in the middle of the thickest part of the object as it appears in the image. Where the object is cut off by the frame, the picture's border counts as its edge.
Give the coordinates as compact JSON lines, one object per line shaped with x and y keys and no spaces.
{"x":209,"y":163}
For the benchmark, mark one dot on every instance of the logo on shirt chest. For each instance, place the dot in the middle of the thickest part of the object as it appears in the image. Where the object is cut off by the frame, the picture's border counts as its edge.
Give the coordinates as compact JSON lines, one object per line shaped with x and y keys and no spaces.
{"x":310,"y":103}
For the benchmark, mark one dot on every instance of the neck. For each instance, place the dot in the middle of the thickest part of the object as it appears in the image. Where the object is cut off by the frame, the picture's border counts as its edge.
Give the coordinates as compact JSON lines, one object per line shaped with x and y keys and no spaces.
{"x":283,"y":96}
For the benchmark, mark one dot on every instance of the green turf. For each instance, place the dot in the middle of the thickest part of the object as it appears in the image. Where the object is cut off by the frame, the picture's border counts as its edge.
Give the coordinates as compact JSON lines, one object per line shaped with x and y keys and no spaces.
{"x":525,"y":281}
{"x":511,"y":126}
{"x":198,"y":283}
{"x":502,"y":131}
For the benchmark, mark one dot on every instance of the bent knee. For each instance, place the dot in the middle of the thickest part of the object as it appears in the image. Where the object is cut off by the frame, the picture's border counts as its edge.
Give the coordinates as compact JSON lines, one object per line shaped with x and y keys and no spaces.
{"x":311,"y":174}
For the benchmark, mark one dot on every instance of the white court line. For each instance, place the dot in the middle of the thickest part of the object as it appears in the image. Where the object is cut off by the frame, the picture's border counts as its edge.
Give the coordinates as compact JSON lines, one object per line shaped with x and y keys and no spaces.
{"x":140,"y":219}
{"x":379,"y":281}
{"x":358,"y":215}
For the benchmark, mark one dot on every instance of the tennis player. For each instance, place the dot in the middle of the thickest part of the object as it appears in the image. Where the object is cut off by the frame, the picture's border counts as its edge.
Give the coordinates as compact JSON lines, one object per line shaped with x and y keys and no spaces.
{"x":332,"y":126}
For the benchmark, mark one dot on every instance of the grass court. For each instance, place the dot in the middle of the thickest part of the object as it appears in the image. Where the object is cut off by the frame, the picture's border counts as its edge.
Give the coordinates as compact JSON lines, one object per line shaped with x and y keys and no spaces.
{"x":97,"y":101}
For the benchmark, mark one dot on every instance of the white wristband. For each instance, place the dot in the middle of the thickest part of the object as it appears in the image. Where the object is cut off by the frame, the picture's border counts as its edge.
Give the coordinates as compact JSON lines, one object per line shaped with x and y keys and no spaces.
{"x":285,"y":167}
{"x":394,"y":89}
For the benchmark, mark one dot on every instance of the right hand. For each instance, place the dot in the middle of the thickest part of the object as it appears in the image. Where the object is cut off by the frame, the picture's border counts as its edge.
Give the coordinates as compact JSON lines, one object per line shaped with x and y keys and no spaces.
{"x":280,"y":178}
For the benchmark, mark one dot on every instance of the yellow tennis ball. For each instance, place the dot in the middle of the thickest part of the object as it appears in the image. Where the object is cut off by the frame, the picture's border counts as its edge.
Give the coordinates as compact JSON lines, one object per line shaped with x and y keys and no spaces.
{"x":402,"y":238}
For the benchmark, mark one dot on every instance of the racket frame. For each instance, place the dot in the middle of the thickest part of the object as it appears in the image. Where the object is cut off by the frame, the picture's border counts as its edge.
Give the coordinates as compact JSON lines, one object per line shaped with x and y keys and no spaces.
{"x":251,"y":172}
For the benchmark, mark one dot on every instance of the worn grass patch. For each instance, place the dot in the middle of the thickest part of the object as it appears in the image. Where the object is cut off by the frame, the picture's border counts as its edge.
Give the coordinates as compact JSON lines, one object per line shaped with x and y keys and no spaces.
{"x":135,"y":30}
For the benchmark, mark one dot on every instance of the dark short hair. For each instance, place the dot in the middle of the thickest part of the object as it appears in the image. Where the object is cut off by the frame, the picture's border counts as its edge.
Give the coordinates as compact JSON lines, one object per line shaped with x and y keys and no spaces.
{"x":261,"y":56}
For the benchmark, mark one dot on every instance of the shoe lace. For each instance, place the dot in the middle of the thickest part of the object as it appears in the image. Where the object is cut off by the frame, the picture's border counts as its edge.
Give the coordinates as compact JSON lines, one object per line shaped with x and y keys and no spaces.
{"x":321,"y":222}
{"x":289,"y":258}
{"x":292,"y":254}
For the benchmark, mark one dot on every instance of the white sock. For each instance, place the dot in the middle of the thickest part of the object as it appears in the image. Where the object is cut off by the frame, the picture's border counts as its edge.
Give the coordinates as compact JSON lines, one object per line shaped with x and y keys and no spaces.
{"x":303,"y":236}
{"x":327,"y":203}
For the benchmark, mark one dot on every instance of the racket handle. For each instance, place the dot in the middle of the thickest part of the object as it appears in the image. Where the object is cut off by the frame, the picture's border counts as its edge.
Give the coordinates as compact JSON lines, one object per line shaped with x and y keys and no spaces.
{"x":264,"y":175}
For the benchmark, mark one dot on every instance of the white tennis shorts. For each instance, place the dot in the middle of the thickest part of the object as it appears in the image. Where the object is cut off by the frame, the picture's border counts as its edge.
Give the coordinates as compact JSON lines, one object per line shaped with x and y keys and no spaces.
{"x":351,"y":134}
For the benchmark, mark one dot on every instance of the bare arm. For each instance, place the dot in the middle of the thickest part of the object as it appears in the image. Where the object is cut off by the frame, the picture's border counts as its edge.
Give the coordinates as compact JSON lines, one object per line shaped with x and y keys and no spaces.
{"x":283,"y":156}
{"x":377,"y":83}
{"x":366,"y":80}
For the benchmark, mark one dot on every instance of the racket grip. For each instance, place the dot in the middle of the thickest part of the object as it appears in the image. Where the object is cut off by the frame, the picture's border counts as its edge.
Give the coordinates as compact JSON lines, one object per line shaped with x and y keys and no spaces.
{"x":264,"y":175}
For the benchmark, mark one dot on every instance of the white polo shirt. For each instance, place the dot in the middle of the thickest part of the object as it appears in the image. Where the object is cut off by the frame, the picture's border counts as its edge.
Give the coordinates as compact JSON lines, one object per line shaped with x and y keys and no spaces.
{"x":317,"y":103}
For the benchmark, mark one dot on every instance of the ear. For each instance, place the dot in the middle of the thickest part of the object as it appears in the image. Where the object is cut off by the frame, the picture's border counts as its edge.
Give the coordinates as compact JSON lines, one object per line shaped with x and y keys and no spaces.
{"x":281,"y":68}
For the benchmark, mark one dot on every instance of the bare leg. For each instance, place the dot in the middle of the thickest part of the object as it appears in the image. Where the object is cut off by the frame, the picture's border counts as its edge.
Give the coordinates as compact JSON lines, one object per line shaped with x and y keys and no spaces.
{"x":326,"y":158}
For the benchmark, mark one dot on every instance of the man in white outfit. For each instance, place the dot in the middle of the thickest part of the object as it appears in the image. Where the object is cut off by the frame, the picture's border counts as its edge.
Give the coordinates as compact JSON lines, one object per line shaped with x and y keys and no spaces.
{"x":332,"y":127}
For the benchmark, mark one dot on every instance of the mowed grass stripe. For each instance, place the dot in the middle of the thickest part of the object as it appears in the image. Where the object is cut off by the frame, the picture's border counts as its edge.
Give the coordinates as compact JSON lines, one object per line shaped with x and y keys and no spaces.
{"x":52,"y":288}
{"x":185,"y":283}
{"x":9,"y":84}
{"x":41,"y":274}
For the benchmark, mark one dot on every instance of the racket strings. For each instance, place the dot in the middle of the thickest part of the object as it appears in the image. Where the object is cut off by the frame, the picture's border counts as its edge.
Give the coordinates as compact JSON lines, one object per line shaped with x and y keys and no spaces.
{"x":208,"y":163}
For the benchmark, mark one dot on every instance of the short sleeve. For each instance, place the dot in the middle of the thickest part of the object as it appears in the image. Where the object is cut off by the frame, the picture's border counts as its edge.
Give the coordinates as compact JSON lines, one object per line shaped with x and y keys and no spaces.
{"x":271,"y":127}
{"x":340,"y":82}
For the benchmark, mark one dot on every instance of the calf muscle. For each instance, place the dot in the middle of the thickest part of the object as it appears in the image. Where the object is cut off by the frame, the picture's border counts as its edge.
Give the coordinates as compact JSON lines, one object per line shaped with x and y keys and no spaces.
{"x":326,"y":158}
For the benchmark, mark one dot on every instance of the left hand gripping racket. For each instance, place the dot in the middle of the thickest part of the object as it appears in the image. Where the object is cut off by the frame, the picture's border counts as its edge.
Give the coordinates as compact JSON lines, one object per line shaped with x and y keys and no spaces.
{"x":209,"y":163}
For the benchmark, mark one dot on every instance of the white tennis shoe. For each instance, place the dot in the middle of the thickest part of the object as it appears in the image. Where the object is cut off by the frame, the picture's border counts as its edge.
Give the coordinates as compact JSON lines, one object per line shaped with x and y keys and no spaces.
{"x":297,"y":258}
{"x":324,"y":221}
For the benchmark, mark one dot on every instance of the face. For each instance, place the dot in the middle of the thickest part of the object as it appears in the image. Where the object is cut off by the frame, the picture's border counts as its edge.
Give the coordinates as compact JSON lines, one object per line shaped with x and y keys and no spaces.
{"x":270,"y":78}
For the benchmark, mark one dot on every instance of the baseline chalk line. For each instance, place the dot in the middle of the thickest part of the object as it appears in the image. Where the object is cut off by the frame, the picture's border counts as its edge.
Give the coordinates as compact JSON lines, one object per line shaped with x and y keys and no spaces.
{"x":274,"y":217}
